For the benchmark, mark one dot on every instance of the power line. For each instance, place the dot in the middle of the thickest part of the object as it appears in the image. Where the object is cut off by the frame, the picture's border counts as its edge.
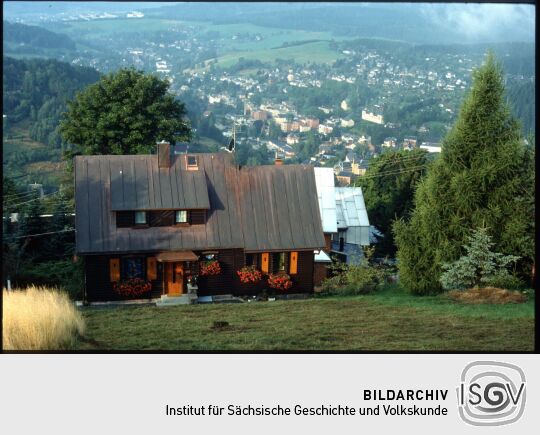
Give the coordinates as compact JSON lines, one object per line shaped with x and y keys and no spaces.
{"x":44,"y":234}
{"x":393,"y":172}
{"x":19,"y":195}
{"x":30,"y":200}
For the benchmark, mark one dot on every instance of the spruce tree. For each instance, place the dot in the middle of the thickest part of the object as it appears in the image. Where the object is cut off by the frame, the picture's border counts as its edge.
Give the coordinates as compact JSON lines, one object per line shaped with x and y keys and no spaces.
{"x":484,"y":177}
{"x":388,"y":188}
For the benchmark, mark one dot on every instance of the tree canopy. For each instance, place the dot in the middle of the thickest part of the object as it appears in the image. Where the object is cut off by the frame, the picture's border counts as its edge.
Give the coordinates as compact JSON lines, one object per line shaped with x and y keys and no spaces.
{"x":388,"y":187}
{"x":483,"y":178}
{"x":126,"y":112}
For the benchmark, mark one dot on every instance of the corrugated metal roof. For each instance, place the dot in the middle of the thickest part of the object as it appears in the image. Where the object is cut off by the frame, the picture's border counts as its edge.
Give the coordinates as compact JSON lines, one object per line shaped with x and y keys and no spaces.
{"x":324,"y":179}
{"x":351,"y":209}
{"x":138,"y":184}
{"x":264,"y":208}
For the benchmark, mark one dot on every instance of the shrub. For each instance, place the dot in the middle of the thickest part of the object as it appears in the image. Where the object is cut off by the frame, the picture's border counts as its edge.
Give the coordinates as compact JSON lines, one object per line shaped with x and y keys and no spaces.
{"x":505,"y":280}
{"x":363,"y":278}
{"x":64,"y":273}
{"x":479,"y":266}
{"x":353,"y":279}
{"x":39,"y":318}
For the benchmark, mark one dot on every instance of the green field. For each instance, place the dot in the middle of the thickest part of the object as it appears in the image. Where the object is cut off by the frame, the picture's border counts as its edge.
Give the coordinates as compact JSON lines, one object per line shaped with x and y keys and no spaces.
{"x":390,"y":320}
{"x":236,"y":40}
{"x":316,"y":52}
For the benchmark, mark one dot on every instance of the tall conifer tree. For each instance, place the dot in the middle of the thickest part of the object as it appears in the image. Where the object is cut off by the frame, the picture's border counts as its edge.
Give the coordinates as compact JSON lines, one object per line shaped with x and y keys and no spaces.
{"x":483,"y":177}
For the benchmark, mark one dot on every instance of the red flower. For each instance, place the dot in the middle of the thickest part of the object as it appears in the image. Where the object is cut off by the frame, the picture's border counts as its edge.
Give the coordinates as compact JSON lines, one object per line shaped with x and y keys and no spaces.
{"x":280,"y":281}
{"x":249,"y":274}
{"x":132,"y":287}
{"x":211,"y":267}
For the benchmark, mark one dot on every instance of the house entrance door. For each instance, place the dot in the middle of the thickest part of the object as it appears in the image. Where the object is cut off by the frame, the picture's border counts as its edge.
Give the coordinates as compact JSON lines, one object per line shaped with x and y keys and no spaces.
{"x":174,"y":278}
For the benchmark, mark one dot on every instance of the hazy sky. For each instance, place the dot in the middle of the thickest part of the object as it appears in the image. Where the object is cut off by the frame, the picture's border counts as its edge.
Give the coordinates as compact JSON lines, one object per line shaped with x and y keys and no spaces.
{"x":482,"y":20}
{"x":475,"y":21}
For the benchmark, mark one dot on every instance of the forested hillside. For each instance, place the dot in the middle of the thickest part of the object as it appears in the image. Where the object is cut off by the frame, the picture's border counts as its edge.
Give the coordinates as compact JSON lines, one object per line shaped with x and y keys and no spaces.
{"x":37,"y":90}
{"x":35,"y":95}
{"x":521,"y":97}
{"x":29,"y":39}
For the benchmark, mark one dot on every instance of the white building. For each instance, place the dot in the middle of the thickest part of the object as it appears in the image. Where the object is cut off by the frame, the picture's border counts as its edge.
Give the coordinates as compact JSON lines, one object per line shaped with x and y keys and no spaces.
{"x":371,"y":117}
{"x":344,"y":216}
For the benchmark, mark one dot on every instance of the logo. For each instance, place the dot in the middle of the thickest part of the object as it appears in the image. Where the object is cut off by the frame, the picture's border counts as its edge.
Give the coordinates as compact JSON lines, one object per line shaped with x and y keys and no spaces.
{"x":491,"y":393}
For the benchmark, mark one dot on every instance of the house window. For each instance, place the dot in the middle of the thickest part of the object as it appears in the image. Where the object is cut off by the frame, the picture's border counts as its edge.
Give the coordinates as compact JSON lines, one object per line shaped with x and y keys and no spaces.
{"x":252,"y":260}
{"x":133,"y":267}
{"x":181,"y":217}
{"x":192,"y":163}
{"x":140,"y":218}
{"x":279,"y":262}
{"x":125,"y":219}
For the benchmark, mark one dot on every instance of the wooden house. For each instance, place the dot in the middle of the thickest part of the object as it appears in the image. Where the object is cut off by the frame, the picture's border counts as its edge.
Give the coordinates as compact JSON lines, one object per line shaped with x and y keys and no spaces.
{"x":162,"y":218}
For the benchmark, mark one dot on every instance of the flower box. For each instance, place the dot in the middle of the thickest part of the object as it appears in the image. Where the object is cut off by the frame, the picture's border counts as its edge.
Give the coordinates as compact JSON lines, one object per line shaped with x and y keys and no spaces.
{"x":249,"y":274}
{"x":280,"y":281}
{"x":210,"y":267}
{"x":132,"y":287}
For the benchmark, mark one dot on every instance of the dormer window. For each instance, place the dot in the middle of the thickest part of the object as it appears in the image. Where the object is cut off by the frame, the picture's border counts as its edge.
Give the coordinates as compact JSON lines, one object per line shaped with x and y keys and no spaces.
{"x":181,"y":217}
{"x":140,"y":218}
{"x":192,"y":163}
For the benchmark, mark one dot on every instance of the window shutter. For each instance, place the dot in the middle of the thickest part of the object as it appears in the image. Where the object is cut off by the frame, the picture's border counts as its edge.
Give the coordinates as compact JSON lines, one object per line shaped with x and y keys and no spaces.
{"x":151,"y":269}
{"x":293,"y":267}
{"x":114,"y":266}
{"x":264,"y":262}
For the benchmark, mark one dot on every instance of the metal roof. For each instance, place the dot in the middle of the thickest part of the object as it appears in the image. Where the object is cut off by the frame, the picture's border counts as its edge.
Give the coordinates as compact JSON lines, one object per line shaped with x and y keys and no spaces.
{"x":324,"y":180}
{"x":264,"y":208}
{"x":322,"y":257}
{"x":138,"y":184}
{"x":351,"y":209}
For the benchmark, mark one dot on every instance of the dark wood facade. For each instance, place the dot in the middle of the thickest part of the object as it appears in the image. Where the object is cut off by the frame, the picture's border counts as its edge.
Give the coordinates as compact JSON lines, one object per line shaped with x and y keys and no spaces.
{"x":99,"y":286}
{"x":133,"y":211}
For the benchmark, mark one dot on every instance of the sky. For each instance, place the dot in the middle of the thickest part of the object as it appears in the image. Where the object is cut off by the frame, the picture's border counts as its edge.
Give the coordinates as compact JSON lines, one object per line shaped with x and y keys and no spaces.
{"x":475,"y":21}
{"x":479,"y":21}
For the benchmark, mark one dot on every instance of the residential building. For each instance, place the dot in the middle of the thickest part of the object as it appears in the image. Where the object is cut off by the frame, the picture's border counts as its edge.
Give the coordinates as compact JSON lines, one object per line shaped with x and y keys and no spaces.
{"x":167,"y":218}
{"x":371,"y":117}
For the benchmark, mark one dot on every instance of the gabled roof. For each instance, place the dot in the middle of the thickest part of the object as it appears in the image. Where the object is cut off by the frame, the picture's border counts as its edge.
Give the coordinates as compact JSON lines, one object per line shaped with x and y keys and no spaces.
{"x":350,"y":207}
{"x":264,"y":208}
{"x":138,"y":184}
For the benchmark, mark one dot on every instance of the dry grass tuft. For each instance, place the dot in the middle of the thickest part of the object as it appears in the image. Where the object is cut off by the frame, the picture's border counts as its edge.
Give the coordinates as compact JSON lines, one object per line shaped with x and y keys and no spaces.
{"x":39,"y":318}
{"x":487,"y":295}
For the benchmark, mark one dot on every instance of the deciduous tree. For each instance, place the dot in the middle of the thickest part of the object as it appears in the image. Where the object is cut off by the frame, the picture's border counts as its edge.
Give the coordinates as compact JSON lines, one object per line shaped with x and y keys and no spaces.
{"x":126,"y":112}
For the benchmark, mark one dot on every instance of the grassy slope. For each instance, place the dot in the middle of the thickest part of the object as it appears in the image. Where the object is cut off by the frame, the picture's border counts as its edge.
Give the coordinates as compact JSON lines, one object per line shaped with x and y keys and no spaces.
{"x":387,"y":321}
{"x":318,"y":52}
{"x":22,"y":142}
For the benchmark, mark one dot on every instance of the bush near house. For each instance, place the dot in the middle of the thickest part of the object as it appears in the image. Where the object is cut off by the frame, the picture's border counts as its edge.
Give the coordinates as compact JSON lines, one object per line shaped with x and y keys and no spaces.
{"x":480,"y":266}
{"x":354,"y":279}
{"x":39,"y":318}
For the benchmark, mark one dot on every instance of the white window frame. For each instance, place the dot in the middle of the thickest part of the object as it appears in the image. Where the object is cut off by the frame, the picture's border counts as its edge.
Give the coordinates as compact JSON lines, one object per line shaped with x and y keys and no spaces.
{"x":177,"y":214}
{"x":138,"y":220}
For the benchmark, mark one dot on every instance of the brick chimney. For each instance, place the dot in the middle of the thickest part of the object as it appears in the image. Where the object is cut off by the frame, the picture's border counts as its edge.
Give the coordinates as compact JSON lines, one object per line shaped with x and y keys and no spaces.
{"x":164,"y":154}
